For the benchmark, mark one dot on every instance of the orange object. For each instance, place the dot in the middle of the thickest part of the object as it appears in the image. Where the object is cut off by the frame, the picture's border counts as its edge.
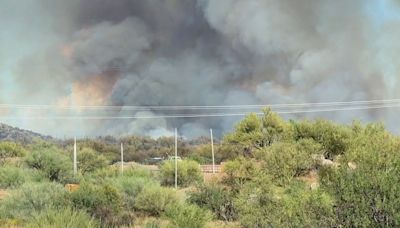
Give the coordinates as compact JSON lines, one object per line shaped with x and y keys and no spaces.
{"x":72,"y":187}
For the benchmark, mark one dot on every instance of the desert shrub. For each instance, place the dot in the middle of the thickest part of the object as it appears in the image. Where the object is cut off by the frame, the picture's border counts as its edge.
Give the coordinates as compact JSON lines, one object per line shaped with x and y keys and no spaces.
{"x":284,"y":161}
{"x":188,"y":215}
{"x":188,"y":173}
{"x":63,"y":218}
{"x":52,"y":162}
{"x":155,"y":199}
{"x":10,"y":150}
{"x":261,"y":204}
{"x":130,"y":187}
{"x":89,"y":160}
{"x":367,"y":195}
{"x":33,"y":198}
{"x":258,"y":132}
{"x":334,"y":138}
{"x":11,"y":177}
{"x":215,"y":198}
{"x":101,"y":201}
{"x":238,"y":172}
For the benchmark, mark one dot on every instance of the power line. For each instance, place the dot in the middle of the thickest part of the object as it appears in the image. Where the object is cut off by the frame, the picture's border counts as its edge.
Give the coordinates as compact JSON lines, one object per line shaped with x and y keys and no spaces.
{"x":200,"y":107}
{"x":204,"y":115}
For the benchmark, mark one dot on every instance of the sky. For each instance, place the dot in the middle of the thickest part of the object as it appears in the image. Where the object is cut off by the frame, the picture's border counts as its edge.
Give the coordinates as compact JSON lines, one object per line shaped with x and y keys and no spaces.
{"x":200,"y":52}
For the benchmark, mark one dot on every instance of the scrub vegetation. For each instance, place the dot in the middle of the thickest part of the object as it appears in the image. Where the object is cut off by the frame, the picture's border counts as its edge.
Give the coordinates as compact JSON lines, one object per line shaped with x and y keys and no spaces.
{"x":275,"y":173}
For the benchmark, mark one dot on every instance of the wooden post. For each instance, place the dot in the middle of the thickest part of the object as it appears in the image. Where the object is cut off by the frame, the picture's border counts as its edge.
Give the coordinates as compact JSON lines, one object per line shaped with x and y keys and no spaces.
{"x":176,"y":158}
{"x":212,"y":151}
{"x":75,"y":162}
{"x":122,"y":158}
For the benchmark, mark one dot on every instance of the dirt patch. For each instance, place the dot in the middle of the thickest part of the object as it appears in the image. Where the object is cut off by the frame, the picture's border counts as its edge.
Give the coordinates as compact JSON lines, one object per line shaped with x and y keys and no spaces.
{"x":311,"y":179}
{"x":3,"y":194}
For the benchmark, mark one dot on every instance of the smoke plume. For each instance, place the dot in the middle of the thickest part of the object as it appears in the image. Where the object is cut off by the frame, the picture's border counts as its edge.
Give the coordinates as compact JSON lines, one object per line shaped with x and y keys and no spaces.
{"x":204,"y":52}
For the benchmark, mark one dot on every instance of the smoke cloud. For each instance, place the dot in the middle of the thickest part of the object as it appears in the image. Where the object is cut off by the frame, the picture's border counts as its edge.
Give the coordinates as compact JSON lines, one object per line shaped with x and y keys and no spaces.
{"x":204,"y":52}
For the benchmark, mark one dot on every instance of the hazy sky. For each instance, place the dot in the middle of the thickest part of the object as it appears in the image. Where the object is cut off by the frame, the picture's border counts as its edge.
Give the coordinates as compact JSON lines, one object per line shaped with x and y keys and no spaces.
{"x":204,"y":52}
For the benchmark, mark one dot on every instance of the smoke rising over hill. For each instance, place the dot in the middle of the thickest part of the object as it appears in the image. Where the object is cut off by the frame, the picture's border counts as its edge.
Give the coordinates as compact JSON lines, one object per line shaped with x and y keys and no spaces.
{"x":204,"y":52}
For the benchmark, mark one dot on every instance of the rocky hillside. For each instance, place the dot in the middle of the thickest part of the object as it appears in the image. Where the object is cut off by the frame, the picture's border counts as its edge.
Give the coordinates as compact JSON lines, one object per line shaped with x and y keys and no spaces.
{"x":23,"y":136}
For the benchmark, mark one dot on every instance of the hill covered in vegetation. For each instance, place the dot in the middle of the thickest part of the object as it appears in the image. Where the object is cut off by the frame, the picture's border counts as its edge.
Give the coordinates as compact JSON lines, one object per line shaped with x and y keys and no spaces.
{"x":9,"y":133}
{"x":276,"y":173}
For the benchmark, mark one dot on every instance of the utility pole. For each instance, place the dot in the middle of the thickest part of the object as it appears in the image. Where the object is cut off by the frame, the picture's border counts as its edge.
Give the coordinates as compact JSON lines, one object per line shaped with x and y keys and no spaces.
{"x":75,"y":165}
{"x":212,"y":151}
{"x":122,"y":158}
{"x":176,"y":158}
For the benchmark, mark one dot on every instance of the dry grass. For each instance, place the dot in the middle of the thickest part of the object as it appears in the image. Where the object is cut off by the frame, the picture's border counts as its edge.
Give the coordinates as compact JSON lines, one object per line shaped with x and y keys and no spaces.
{"x":142,"y":221}
{"x":213,"y":177}
{"x":222,"y":224}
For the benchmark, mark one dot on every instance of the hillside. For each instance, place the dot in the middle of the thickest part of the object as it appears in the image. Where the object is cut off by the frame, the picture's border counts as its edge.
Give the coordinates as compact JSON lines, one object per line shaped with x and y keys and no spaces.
{"x":16,"y":134}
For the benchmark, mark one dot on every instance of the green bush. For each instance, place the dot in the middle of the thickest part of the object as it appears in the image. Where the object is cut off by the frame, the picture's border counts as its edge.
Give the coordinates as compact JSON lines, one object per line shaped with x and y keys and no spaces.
{"x":369,"y":194}
{"x":188,"y":173}
{"x":259,"y":132}
{"x":63,"y":218}
{"x":33,"y":198}
{"x":334,"y":138}
{"x":52,"y":162}
{"x":89,"y":160}
{"x":131,"y":187}
{"x":188,"y":215}
{"x":261,"y":204}
{"x":238,"y":172}
{"x":285,"y":161}
{"x":10,"y":150}
{"x":11,"y":177}
{"x":215,"y":198}
{"x":154,"y":199}
{"x":101,"y":201}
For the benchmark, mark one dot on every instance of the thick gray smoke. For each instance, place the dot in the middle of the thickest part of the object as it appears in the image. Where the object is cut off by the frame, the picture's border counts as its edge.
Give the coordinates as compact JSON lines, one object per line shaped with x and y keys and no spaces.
{"x":204,"y":52}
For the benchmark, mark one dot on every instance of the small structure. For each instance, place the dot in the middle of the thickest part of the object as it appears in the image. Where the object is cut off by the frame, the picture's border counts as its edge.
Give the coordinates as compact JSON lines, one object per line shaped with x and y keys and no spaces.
{"x":72,"y":187}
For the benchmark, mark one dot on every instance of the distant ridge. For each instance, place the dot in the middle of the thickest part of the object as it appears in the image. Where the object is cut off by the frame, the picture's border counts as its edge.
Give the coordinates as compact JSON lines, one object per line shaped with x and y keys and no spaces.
{"x":9,"y":133}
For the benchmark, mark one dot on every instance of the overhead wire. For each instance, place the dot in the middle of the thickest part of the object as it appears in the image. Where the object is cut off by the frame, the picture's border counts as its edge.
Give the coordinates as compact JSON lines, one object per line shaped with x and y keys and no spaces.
{"x":296,"y":111}
{"x":195,"y":107}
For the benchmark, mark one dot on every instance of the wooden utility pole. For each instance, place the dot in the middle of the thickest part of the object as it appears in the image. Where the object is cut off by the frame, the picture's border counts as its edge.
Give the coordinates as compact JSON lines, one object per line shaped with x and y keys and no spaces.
{"x":176,"y":158}
{"x":212,"y":151}
{"x":75,"y":164}
{"x":122,"y":158}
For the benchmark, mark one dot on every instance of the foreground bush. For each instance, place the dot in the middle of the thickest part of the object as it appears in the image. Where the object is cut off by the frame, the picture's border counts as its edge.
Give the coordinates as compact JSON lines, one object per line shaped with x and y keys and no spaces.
{"x":264,"y":205}
{"x":63,"y":218}
{"x":187,"y":215}
{"x":217,"y":199}
{"x":188,"y":173}
{"x":238,"y":172}
{"x":154,"y":199}
{"x":90,"y":160}
{"x":11,"y":177}
{"x":52,"y":162}
{"x":10,"y":150}
{"x":368,"y":194}
{"x":130,"y":187}
{"x":33,"y":198}
{"x":285,"y":161}
{"x":101,"y":201}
